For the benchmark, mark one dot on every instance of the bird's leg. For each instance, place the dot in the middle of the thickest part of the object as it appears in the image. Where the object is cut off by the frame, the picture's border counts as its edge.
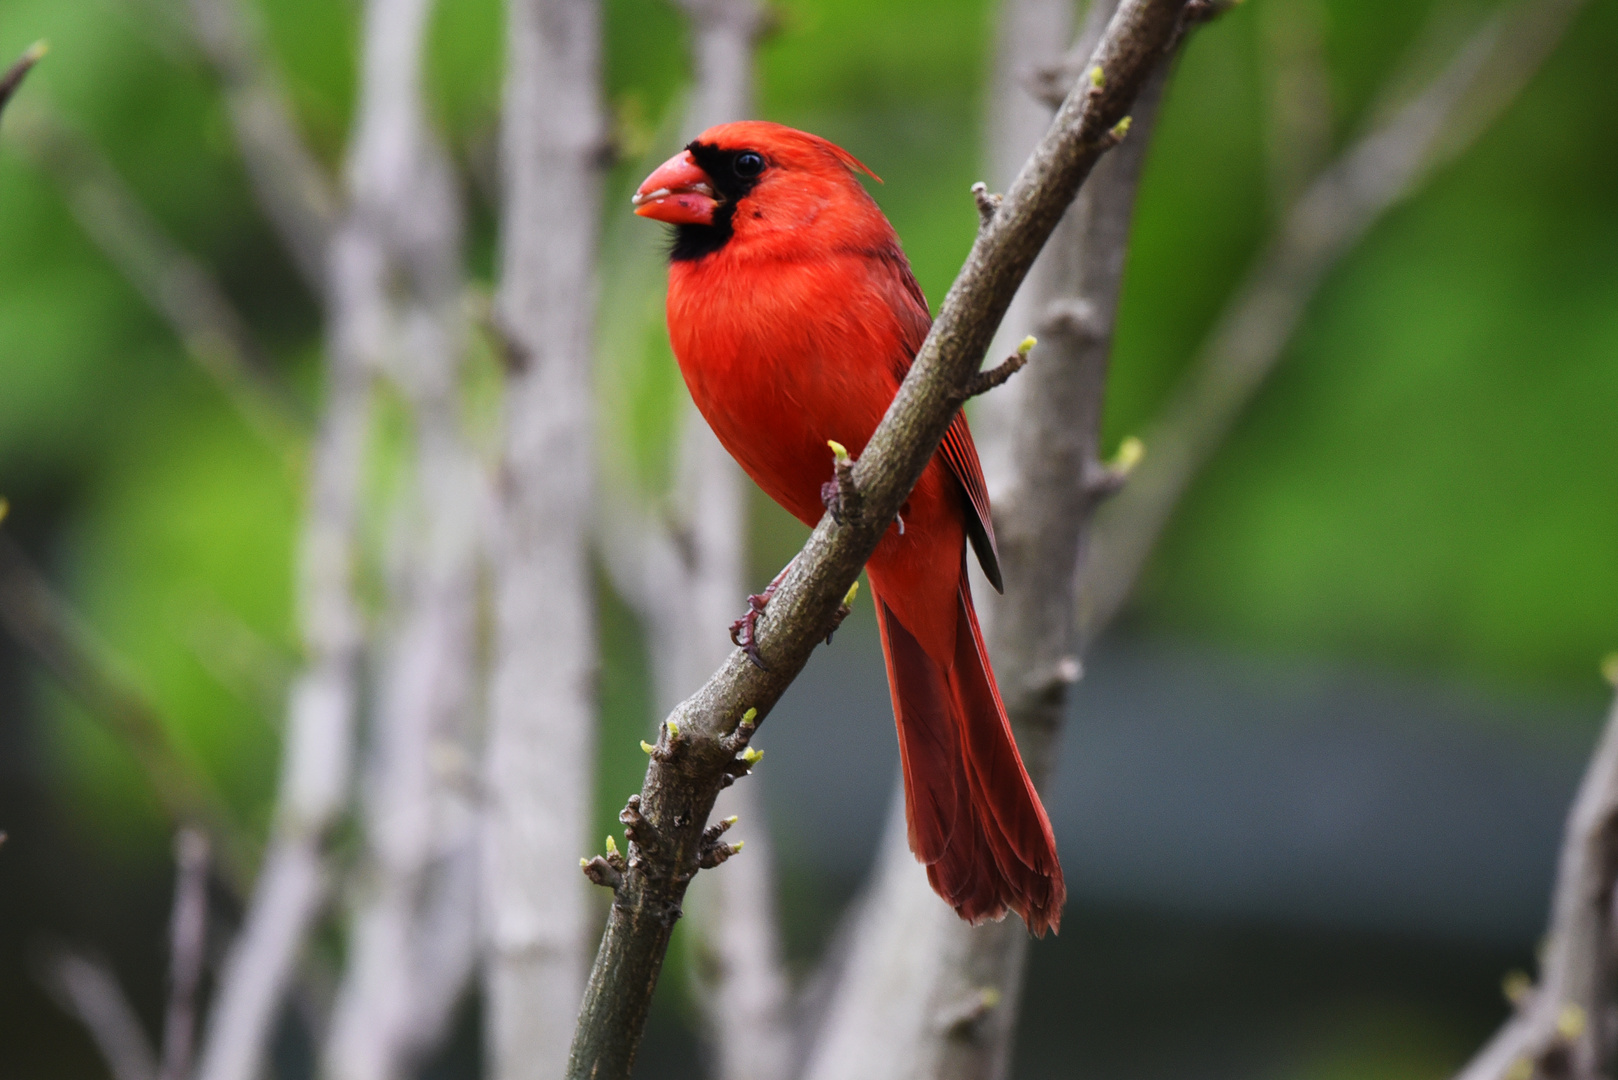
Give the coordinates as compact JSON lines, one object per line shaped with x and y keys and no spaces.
{"x":744,"y":631}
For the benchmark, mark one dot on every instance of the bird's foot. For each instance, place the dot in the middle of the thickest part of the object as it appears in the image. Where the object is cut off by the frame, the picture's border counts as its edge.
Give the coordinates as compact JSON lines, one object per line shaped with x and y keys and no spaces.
{"x":744,"y":631}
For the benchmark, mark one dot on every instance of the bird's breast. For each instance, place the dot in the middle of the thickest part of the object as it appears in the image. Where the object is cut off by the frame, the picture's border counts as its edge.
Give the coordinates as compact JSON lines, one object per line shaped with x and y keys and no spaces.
{"x":780,"y":358}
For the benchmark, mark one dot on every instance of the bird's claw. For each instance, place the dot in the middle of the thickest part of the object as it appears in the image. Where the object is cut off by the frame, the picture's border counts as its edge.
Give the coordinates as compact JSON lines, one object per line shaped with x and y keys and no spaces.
{"x":744,"y":631}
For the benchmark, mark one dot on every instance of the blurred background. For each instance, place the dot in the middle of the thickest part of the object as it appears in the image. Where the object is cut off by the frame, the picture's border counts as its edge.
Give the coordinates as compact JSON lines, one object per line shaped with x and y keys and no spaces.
{"x":1314,"y":778}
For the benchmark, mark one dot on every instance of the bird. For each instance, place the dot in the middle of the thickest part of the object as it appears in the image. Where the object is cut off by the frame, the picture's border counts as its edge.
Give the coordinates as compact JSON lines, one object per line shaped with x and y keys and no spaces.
{"x":794,"y":315}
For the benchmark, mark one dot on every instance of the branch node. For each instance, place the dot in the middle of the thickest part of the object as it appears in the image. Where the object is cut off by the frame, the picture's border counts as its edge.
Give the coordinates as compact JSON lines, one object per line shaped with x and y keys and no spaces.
{"x":984,"y":381}
{"x":644,"y":839}
{"x":601,"y":872}
{"x":1116,"y":133}
{"x":737,"y":740}
{"x":840,"y":495}
{"x":844,"y":610}
{"x":1105,"y":481}
{"x":988,"y":203}
{"x":959,"y":1021}
{"x":1074,"y":316}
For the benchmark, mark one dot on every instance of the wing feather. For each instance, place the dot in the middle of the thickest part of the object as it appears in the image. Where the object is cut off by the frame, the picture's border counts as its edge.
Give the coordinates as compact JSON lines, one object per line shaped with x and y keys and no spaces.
{"x":960,"y":454}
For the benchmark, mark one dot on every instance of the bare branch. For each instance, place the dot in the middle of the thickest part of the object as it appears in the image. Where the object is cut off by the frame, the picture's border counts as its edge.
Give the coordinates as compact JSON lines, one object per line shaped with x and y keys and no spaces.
{"x":46,"y":625}
{"x":188,"y":941}
{"x":680,"y":793}
{"x":412,"y":942}
{"x":87,"y":989}
{"x":292,"y":186}
{"x":177,"y":286}
{"x":1564,"y":1025}
{"x":17,"y":72}
{"x":1374,"y":174}
{"x":540,"y":746}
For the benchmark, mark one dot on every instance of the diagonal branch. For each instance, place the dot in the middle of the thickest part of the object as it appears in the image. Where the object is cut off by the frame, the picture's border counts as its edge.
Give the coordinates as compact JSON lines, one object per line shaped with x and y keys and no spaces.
{"x":86,"y":988}
{"x":1374,"y":174}
{"x":702,"y":737}
{"x":291,"y":184}
{"x":17,"y":72}
{"x":1564,"y":1026}
{"x":174,"y":283}
{"x":42,"y":622}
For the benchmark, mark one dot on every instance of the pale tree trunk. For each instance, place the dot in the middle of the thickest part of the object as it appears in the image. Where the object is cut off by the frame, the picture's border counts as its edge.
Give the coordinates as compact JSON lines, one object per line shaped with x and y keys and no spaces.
{"x":412,"y":935}
{"x":540,"y":760}
{"x":384,"y":237}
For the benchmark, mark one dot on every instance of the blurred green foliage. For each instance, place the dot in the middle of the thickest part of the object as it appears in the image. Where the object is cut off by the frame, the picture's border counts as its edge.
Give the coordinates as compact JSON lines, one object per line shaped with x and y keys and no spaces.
{"x":1431,"y":480}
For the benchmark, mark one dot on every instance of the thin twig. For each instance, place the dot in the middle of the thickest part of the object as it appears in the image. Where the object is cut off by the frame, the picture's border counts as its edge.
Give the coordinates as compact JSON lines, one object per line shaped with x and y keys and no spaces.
{"x":291,"y":184}
{"x":1375,"y":173}
{"x":173,"y":282}
{"x":44,"y":623}
{"x":86,"y":988}
{"x":12,"y":79}
{"x":680,"y":790}
{"x":1564,"y":1027}
{"x":188,"y":940}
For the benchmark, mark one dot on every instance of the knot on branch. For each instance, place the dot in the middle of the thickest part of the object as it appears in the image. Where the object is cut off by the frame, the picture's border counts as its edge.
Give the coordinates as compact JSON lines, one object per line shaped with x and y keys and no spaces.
{"x":711,"y":850}
{"x":839,"y":495}
{"x":1074,"y":317}
{"x":988,"y":203}
{"x":844,"y":610}
{"x":1103,"y":481}
{"x":742,"y":756}
{"x":960,"y":1021}
{"x":984,"y":381}
{"x":606,"y":870}
{"x":648,"y":849}
{"x":668,"y":745}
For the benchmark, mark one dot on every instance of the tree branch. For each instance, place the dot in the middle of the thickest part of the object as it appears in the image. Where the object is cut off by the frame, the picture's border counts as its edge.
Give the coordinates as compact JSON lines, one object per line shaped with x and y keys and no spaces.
{"x":292,"y":186}
{"x":175,"y":284}
{"x":1374,"y":174}
{"x":704,"y":732}
{"x":43,"y":623}
{"x":87,"y":989}
{"x":18,"y":71}
{"x":412,"y":937}
{"x":1564,"y":1026}
{"x":188,"y":941}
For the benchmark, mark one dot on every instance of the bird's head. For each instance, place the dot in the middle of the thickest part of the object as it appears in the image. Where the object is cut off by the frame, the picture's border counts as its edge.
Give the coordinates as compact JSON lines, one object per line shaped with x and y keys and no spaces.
{"x":758,"y":185}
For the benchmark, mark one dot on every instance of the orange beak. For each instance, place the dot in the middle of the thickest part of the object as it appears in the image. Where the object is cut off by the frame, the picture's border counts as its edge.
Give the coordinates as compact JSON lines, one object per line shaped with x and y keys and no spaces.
{"x":678,"y":192}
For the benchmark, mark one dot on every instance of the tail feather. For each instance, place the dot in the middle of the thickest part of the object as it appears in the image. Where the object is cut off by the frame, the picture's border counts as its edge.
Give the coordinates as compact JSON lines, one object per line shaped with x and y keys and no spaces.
{"x":974,"y":818}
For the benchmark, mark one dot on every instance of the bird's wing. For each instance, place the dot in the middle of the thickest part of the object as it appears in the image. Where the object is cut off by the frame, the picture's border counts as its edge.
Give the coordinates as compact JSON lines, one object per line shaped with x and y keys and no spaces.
{"x":959,"y":452}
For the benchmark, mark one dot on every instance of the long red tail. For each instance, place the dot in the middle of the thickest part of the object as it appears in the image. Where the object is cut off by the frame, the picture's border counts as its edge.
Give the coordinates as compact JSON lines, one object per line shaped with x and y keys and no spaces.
{"x":975,"y":819}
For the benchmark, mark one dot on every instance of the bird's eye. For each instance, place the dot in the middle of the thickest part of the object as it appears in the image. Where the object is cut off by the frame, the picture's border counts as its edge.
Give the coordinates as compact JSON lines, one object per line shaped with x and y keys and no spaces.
{"x":748,"y":165}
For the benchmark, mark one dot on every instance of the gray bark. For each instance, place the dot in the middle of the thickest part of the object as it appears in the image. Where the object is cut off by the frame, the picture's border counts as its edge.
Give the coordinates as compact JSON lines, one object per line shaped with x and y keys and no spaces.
{"x":412,"y":934}
{"x":1565,"y":1026}
{"x":540,"y":751}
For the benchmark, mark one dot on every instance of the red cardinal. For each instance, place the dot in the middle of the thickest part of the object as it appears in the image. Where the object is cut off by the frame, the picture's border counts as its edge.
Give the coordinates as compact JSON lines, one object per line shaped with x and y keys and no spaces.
{"x":794,"y":316}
